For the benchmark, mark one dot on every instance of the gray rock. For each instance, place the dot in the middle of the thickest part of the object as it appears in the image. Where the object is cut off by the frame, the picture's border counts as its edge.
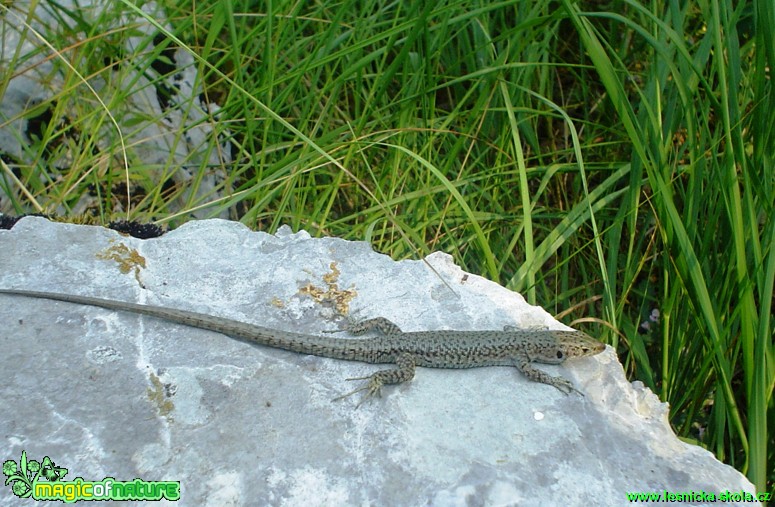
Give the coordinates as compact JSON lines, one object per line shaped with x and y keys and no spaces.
{"x":112,"y":394}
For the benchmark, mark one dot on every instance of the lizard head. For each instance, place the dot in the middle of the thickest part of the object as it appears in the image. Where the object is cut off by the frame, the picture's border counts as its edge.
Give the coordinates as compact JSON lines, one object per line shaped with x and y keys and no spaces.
{"x":576,"y":344}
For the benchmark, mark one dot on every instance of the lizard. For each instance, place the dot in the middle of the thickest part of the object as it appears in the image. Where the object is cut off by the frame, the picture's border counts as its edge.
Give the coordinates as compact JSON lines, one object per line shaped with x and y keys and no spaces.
{"x":407,"y":350}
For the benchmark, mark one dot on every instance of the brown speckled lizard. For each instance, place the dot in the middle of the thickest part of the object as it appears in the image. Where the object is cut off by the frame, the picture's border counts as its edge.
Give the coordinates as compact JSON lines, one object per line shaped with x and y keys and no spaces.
{"x":432,"y":349}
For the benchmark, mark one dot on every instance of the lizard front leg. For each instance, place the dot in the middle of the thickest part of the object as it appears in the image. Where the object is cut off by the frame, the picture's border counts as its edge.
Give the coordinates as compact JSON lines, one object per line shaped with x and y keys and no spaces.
{"x":404,"y":372}
{"x":525,"y":365}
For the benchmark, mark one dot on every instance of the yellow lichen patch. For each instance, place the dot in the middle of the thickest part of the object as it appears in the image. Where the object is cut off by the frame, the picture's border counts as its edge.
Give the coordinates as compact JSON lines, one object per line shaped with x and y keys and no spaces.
{"x":128,"y":259}
{"x":158,"y":397}
{"x":333,"y":276}
{"x":332,"y":293}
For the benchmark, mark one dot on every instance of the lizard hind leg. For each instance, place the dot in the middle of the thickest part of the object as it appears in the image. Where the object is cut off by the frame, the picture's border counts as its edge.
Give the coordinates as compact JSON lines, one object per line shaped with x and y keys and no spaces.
{"x":404,"y":372}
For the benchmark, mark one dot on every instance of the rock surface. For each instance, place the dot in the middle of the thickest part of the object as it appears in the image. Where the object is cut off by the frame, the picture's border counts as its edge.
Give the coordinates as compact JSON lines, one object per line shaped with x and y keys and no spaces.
{"x":113,"y":394}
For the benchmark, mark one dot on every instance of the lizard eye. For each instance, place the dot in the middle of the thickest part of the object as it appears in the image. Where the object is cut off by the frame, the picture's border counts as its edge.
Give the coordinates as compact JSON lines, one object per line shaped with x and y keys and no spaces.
{"x":560,"y":355}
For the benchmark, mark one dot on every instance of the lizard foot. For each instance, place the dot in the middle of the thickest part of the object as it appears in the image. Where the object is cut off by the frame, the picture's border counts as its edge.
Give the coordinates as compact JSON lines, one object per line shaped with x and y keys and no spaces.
{"x":382,"y":324}
{"x":372,"y":387}
{"x":564,"y":385}
{"x":404,"y":372}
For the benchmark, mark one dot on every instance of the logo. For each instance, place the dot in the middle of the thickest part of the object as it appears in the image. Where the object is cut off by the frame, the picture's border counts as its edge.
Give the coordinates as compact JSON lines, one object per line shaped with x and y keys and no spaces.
{"x":43,"y":480}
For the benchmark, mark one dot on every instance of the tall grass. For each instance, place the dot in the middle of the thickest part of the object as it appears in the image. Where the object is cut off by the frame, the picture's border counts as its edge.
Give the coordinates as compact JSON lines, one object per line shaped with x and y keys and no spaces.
{"x":607,"y":161}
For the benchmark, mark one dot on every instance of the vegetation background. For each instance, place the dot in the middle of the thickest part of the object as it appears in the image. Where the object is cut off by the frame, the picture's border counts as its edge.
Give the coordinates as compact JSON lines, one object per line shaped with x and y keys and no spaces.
{"x":612,"y":161}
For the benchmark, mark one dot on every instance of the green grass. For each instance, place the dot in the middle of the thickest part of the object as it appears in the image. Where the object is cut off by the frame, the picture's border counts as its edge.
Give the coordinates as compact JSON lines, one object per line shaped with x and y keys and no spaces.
{"x":604,"y":160}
